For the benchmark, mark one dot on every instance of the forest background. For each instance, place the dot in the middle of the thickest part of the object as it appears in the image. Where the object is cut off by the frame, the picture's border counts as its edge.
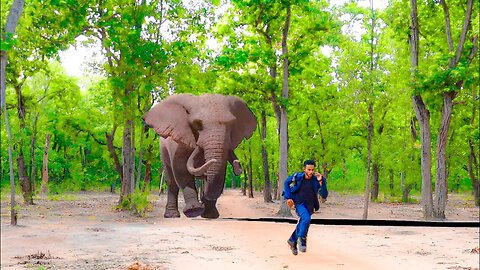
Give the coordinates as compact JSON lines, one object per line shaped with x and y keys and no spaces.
{"x":385,"y":99}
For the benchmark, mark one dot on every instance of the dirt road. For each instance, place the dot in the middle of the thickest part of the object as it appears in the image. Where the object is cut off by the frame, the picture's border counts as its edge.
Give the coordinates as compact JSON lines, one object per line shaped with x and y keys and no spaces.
{"x":85,"y":233}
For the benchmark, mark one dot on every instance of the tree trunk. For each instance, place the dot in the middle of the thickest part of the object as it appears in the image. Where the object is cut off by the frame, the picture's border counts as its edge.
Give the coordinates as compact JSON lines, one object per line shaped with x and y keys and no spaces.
{"x":148,"y":175}
{"x":33,"y":167}
{"x":473,"y":172}
{"x":369,"y":156}
{"x":45,"y":165}
{"x":13,"y":211}
{"x":423,"y":117}
{"x":374,"y":193}
{"x":274,"y":176}
{"x":392,"y":183}
{"x":140,"y":156}
{"x":10,"y":26}
{"x":128,"y":180}
{"x":283,"y":163}
{"x":267,"y":190}
{"x":22,"y":169}
{"x":114,"y":156}
{"x":250,"y":170}
{"x":24,"y":179}
{"x":244,"y":186}
{"x":441,"y":186}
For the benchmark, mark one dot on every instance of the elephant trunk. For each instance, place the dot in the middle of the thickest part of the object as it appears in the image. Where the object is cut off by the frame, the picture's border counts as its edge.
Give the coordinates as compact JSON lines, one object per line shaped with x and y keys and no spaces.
{"x":216,"y":149}
{"x":198,"y":171}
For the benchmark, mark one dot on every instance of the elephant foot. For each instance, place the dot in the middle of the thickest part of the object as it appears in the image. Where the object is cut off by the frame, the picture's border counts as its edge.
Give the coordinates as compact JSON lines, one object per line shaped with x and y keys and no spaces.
{"x":210,"y":210}
{"x":194,"y":210}
{"x":170,"y":213}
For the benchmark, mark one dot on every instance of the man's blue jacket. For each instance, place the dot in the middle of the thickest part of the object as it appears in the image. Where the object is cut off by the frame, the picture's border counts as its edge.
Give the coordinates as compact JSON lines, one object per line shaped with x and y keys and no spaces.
{"x":293,"y":183}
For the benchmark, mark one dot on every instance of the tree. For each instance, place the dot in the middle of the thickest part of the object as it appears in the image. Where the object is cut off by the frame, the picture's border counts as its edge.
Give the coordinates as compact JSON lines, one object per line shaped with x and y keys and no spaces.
{"x":448,"y":80}
{"x":7,"y":33}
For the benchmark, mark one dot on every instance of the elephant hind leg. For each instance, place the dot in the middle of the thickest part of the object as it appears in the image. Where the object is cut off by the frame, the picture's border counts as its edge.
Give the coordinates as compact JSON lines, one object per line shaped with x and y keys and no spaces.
{"x":171,"y":209}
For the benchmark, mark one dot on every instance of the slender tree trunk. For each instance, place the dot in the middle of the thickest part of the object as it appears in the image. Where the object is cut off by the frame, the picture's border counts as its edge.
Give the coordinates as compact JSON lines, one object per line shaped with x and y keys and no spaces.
{"x":127,"y":160}
{"x":473,"y":166}
{"x":24,"y":179}
{"x":441,"y":186}
{"x":274,"y":176}
{"x":148,"y":175}
{"x":374,"y":193}
{"x":369,"y":157}
{"x":283,"y":163}
{"x":22,"y":169}
{"x":45,"y":165}
{"x":392,"y":183}
{"x":244,"y":186}
{"x":140,"y":156}
{"x":113,"y":154}
{"x":473,"y":172}
{"x":267,"y":190}
{"x":423,"y":117}
{"x":33,"y":167}
{"x":10,"y":26}
{"x":250,"y":171}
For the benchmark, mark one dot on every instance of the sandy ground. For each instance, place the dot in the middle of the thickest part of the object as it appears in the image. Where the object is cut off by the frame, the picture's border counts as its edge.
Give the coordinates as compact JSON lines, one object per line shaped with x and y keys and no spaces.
{"x":85,"y":233}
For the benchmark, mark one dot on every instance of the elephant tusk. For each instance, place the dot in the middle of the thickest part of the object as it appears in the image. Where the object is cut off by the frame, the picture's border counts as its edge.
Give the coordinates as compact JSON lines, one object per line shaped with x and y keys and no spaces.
{"x":198,"y":171}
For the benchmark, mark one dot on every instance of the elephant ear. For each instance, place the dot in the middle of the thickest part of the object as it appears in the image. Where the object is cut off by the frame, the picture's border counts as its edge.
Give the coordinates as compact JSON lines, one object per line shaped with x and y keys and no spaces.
{"x":169,"y":119}
{"x":245,"y":123}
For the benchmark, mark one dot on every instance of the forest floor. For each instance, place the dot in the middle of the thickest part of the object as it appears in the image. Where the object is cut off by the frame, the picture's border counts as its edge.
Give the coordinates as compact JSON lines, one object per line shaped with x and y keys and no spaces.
{"x":82,"y":231}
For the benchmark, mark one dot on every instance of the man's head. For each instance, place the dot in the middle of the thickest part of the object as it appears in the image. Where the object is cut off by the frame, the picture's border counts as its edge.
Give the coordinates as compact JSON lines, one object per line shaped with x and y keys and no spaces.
{"x":309,"y":168}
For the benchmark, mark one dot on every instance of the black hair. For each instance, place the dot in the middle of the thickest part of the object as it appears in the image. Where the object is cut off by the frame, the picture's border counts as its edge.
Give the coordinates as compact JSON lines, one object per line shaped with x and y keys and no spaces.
{"x":309,"y":162}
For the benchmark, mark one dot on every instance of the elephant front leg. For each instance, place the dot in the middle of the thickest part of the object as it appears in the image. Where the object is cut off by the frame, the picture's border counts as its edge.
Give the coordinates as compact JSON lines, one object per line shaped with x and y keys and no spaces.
{"x":192,"y":207}
{"x":210,"y":209}
{"x":171,"y":209}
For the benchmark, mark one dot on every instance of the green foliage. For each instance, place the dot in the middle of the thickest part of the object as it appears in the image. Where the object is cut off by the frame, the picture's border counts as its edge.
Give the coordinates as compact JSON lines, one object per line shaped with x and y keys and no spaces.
{"x":137,"y":202}
{"x":152,"y":50}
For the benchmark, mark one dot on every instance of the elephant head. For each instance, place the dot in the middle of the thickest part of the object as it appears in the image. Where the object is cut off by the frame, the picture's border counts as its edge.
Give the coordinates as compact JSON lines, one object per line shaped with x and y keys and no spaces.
{"x":211,"y":125}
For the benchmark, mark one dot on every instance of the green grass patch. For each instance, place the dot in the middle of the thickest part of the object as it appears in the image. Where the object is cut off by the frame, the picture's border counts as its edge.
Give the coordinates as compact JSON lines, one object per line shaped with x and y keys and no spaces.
{"x":63,"y":197}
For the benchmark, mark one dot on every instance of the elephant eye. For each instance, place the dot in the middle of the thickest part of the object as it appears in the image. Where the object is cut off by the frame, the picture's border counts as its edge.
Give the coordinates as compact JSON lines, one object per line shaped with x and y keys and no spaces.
{"x":197,"y":124}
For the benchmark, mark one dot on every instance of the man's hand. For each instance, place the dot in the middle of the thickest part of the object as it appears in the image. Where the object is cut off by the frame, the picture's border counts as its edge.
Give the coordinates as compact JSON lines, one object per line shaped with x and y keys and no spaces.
{"x":319,"y":178}
{"x":290,"y":203}
{"x":322,"y":200}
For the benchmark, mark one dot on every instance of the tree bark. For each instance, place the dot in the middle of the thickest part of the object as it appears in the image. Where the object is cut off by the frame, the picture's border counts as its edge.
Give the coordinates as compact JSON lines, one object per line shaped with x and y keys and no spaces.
{"x":369,"y":157}
{"x":441,"y":186}
{"x":374,"y":193}
{"x":128,"y":180}
{"x":113,"y":154}
{"x":33,"y":142}
{"x":283,"y":162}
{"x":473,"y":172}
{"x":250,"y":171}
{"x":45,"y":165}
{"x":22,"y":169}
{"x":267,"y":190}
{"x":392,"y":183}
{"x":10,"y":26}
{"x":423,"y":117}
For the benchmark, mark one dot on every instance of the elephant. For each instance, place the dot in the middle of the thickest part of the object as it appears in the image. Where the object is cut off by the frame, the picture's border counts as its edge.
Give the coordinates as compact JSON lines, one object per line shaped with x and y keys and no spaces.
{"x":199,"y":134}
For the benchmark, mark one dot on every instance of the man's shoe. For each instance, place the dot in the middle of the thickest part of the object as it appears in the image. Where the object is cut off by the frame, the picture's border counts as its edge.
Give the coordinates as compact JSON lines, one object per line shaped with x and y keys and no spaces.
{"x":302,"y":244}
{"x":293,"y":246}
